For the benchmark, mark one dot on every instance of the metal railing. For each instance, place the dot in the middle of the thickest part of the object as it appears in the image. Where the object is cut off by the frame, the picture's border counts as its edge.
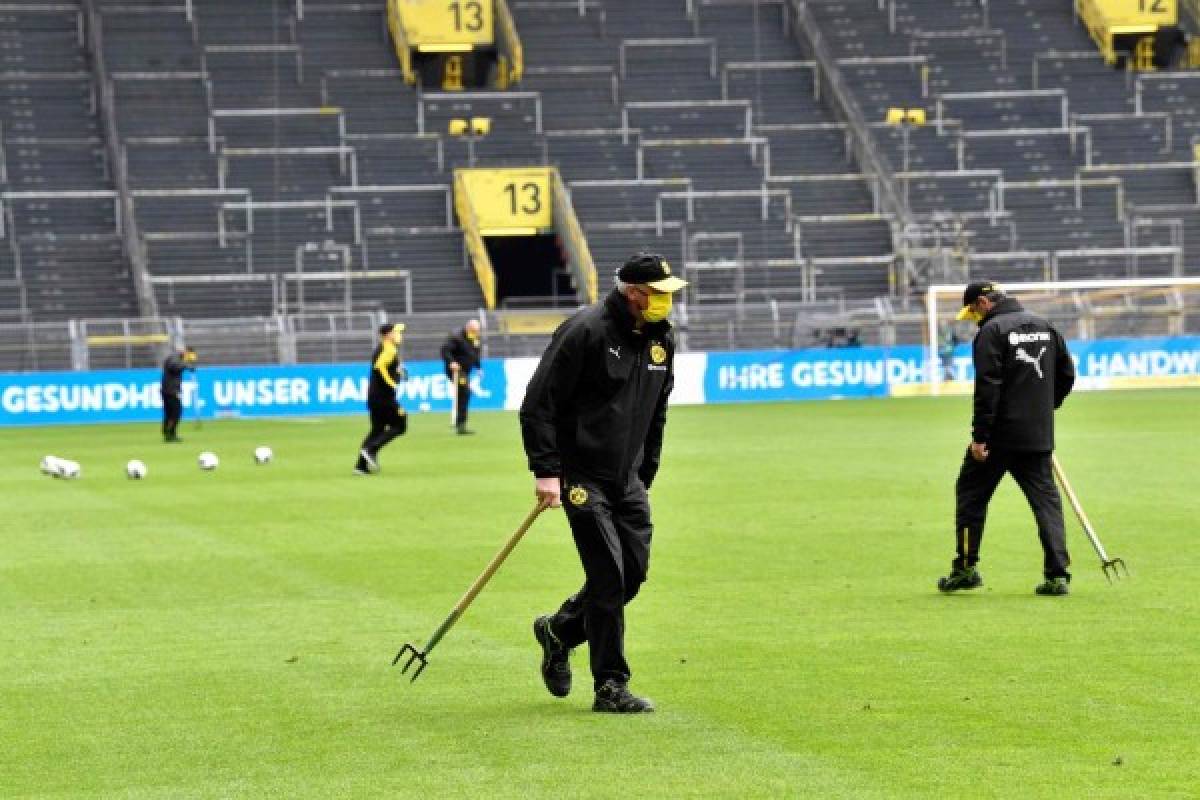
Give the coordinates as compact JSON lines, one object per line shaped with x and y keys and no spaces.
{"x":254,"y":49}
{"x":692,"y":105}
{"x":273,"y":113}
{"x":346,"y":156}
{"x":759,"y":148}
{"x":658,"y":44}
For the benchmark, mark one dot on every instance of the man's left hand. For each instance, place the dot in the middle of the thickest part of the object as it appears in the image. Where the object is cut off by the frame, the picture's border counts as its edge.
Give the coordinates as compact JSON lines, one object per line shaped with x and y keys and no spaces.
{"x":979,"y":451}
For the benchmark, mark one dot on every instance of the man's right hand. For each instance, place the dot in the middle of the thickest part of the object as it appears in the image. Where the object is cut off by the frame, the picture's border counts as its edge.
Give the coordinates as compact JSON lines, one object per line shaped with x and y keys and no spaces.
{"x":979,"y":451}
{"x":454,"y":367}
{"x":548,"y":491}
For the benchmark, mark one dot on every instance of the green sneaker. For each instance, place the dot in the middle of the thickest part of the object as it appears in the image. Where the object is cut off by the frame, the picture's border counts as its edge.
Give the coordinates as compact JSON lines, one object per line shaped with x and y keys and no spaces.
{"x":1053,"y":586}
{"x":960,"y":579}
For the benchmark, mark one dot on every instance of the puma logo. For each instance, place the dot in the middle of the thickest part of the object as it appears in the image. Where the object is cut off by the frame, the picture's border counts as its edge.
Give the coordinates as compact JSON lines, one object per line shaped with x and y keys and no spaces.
{"x":1036,"y":363}
{"x":616,"y":351}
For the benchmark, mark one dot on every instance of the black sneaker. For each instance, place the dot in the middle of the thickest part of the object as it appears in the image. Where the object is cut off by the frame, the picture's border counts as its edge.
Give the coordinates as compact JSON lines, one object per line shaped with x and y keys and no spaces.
{"x":615,"y":698}
{"x":465,"y":432}
{"x":556,"y":659}
{"x":960,"y":579}
{"x":1053,"y":586}
{"x":368,"y":458}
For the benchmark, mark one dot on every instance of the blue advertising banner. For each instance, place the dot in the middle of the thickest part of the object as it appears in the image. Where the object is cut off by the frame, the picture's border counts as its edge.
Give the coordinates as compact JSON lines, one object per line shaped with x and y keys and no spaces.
{"x":1161,"y":357}
{"x":757,"y":376}
{"x":733,"y":377}
{"x":262,"y":391}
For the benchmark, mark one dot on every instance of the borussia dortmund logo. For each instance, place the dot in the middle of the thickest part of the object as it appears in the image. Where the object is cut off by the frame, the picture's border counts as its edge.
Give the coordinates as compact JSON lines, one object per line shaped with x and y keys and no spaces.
{"x":577,"y":496}
{"x":658,"y":353}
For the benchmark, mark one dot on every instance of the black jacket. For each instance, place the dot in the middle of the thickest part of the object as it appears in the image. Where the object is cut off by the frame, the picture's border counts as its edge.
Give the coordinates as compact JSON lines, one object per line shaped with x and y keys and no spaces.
{"x":172,"y":374}
{"x":1022,"y":373}
{"x":459,"y":348}
{"x":596,"y":406}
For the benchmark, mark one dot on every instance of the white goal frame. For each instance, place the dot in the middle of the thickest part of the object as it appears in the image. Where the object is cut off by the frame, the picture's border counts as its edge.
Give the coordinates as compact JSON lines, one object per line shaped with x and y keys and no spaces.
{"x":955,"y":290}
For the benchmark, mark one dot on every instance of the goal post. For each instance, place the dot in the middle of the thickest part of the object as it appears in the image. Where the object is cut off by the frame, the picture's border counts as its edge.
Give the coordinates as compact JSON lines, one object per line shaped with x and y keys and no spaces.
{"x":1083,"y":311}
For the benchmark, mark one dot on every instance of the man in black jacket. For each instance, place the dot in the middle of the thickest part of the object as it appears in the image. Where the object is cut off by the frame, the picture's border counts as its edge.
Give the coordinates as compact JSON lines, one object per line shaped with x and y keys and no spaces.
{"x":388,"y":419}
{"x":462,"y":352}
{"x":171,"y":388}
{"x":1023,"y":372}
{"x":592,"y":424}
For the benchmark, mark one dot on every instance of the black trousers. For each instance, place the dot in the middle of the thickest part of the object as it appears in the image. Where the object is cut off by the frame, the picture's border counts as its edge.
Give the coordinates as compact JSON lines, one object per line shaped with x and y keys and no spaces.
{"x":612,"y":532}
{"x":387,"y":422}
{"x":977,"y":481}
{"x":462,"y":388}
{"x":172,"y":412}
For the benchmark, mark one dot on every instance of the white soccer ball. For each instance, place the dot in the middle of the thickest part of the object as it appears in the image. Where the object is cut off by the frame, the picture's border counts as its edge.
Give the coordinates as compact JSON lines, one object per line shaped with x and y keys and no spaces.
{"x":207,"y":460}
{"x":263,"y":455}
{"x":135,"y":470}
{"x":69,"y":469}
{"x":49,"y":465}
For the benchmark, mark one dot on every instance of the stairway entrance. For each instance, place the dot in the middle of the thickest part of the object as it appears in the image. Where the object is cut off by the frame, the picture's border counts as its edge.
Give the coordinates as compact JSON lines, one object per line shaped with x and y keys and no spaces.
{"x":530,"y":271}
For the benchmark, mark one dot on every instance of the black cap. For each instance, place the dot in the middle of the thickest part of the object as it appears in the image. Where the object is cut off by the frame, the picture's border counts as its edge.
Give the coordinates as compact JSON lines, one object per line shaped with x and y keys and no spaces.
{"x":973,"y":292}
{"x":978,"y":289}
{"x":651,"y":270}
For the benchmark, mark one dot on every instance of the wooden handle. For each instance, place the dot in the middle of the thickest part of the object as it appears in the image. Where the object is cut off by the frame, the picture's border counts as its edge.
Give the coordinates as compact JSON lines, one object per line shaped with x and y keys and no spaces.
{"x":498,"y":559}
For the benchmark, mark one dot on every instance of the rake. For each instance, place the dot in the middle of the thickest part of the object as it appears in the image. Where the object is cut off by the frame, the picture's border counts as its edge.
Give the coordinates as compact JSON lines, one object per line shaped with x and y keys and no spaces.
{"x":421,"y":657}
{"x":1112,"y":566}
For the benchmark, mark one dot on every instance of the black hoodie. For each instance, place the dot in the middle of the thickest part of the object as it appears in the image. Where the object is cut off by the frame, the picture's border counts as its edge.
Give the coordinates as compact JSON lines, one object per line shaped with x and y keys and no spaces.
{"x":596,"y":405}
{"x":1022,"y":373}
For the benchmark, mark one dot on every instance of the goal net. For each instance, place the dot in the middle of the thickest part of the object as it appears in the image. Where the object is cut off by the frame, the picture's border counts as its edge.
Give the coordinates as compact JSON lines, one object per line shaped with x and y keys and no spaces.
{"x":1141,"y":332}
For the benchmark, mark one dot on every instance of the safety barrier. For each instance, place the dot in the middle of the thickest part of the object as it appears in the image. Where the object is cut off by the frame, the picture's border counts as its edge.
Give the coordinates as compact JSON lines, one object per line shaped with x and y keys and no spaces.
{"x":510,"y":55}
{"x":395,"y":25}
{"x":567,"y":225}
{"x":474,"y":241}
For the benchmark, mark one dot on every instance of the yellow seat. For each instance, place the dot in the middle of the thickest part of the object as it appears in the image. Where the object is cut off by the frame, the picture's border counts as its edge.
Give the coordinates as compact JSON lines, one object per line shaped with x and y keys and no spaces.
{"x":916,"y":117}
{"x":457,"y":127}
{"x":895,"y":116}
{"x":481,"y":126}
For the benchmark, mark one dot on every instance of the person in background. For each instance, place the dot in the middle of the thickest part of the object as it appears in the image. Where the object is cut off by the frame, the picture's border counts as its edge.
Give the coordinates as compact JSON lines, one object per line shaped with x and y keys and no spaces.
{"x":171,"y":386}
{"x":388,"y":419}
{"x":462,"y":352}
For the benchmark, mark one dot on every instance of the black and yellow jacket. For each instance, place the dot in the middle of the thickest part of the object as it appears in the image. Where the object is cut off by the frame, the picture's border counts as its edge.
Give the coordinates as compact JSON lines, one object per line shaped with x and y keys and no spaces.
{"x":596,"y":406}
{"x":1023,"y":372}
{"x":386,"y":374}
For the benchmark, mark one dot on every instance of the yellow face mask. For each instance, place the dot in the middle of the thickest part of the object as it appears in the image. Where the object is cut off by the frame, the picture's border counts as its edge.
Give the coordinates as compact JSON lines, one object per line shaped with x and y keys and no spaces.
{"x":658,"y":306}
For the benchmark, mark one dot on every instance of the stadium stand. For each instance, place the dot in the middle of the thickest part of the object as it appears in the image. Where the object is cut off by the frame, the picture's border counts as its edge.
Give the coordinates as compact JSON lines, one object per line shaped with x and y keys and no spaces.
{"x":62,"y":255}
{"x":269,"y":151}
{"x":1087,"y":172}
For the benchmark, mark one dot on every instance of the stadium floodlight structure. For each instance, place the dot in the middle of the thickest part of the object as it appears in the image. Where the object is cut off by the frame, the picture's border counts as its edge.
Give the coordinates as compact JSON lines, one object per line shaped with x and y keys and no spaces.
{"x":1134,"y":306}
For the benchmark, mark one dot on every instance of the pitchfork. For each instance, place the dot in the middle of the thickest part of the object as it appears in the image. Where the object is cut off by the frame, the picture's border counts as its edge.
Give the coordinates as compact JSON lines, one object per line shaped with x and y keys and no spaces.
{"x":1115,"y":565}
{"x":421,"y":657}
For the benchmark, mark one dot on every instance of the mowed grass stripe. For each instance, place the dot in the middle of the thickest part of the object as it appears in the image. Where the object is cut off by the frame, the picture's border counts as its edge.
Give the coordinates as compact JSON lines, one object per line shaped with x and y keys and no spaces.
{"x":238,"y":625}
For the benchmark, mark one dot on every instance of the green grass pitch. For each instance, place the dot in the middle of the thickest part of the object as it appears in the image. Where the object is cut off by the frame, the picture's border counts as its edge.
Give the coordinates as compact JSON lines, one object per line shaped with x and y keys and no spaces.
{"x":229,"y":634}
